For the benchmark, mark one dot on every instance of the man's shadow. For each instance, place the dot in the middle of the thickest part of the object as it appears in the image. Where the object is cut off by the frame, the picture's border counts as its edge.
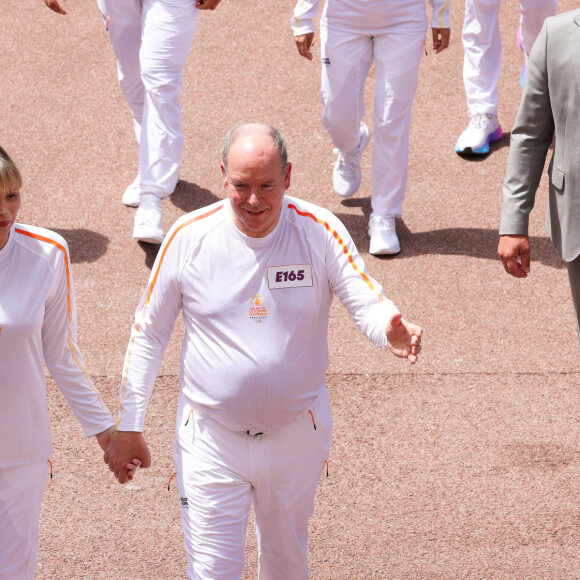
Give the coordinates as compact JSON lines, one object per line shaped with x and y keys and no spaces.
{"x":187,"y":197}
{"x":84,"y":245}
{"x":474,"y":242}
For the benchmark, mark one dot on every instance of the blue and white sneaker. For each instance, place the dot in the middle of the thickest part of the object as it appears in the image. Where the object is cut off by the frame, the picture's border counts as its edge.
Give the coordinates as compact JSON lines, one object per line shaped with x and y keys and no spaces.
{"x":482,"y":130}
{"x":521,"y":45}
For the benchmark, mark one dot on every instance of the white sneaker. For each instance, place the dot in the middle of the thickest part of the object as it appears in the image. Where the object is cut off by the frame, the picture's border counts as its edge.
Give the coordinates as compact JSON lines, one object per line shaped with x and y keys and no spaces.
{"x":346,"y":176}
{"x":482,"y":130}
{"x":132,"y":194}
{"x":149,"y":224}
{"x":384,"y":240}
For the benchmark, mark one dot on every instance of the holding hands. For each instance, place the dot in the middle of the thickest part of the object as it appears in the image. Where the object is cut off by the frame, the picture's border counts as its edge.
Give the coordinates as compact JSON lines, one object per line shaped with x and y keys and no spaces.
{"x":125,"y":452}
{"x":440,"y":39}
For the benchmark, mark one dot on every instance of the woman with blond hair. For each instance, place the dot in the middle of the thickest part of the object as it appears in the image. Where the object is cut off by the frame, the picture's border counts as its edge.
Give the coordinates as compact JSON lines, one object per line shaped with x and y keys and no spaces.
{"x":37,"y":326}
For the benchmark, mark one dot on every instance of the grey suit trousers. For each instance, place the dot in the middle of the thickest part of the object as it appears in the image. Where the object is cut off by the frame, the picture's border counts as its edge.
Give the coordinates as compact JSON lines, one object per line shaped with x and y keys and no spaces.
{"x":574,"y":276}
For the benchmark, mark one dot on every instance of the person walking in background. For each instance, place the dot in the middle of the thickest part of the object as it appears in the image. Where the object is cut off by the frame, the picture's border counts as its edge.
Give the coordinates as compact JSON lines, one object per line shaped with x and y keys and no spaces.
{"x":482,"y":62}
{"x":37,"y":326}
{"x":151,"y":40}
{"x":549,"y":110}
{"x":352,"y":35}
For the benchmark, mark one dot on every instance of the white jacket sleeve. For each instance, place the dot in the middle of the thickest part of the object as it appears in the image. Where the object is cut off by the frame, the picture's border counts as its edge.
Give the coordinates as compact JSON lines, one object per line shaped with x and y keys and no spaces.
{"x":62,"y":356}
{"x":361,"y":295}
{"x":305,"y":12}
{"x":440,"y":17}
{"x":150,"y":334}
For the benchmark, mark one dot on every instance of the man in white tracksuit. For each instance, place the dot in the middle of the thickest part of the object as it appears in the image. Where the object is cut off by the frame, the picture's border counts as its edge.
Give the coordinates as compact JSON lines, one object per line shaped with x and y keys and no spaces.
{"x":482,"y":62}
{"x":255,"y":276}
{"x":151,"y":40}
{"x":352,"y":34}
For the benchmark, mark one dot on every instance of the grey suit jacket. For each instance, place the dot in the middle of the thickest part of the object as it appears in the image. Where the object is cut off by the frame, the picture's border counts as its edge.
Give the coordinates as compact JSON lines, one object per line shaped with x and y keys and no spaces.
{"x":550,"y":108}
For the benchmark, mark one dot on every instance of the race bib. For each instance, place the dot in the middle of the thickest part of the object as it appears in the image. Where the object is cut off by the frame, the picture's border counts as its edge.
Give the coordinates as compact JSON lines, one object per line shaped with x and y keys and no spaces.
{"x":289,"y":276}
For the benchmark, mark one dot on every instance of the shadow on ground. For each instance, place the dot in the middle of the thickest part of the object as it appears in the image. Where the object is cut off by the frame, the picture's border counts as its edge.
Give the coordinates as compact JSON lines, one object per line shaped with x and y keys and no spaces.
{"x":151,"y":251}
{"x":187,"y":197}
{"x":84,"y":245}
{"x":474,"y":242}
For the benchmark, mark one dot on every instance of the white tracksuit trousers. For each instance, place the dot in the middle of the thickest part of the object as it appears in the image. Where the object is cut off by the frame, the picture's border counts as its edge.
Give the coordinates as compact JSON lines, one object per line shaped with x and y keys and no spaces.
{"x":151,"y":40}
{"x":221,"y":472}
{"x":21,"y":490}
{"x":346,"y":60}
{"x":482,"y":47}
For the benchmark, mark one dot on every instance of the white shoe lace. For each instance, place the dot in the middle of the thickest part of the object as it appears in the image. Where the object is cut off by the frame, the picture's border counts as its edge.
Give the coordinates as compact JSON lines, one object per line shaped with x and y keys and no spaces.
{"x":481,"y":120}
{"x":346,"y":162}
{"x":150,"y":217}
{"x":379,"y":223}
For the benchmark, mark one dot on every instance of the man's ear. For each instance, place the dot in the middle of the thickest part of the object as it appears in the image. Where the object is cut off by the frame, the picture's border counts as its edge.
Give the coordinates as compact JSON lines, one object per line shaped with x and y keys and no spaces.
{"x":287,"y":175}
{"x":224,"y":175}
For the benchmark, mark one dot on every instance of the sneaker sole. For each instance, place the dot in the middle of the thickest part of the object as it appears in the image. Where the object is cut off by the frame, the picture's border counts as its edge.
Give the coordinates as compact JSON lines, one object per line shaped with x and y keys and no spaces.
{"x":385,"y":252}
{"x":148,"y":240}
{"x":343,"y":196}
{"x":484,"y":149}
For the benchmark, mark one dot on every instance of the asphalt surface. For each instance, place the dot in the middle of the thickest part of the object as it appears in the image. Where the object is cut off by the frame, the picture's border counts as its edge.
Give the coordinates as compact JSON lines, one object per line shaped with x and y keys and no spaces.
{"x":463,"y":466}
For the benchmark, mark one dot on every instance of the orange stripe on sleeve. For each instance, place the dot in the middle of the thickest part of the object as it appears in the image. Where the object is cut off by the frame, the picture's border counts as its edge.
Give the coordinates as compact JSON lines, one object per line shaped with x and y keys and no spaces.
{"x":342,"y":245}
{"x":177,"y":230}
{"x":149,"y":293}
{"x":70,"y":341}
{"x":440,"y":15}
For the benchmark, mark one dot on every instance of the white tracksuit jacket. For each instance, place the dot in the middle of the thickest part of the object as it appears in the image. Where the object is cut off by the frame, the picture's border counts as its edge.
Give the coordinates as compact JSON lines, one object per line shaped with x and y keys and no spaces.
{"x":37,"y":326}
{"x":256,"y":311}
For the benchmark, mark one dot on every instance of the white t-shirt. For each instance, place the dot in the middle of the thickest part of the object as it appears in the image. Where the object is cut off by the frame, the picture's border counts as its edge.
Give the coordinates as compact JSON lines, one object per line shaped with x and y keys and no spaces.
{"x":255,"y":351}
{"x":38,"y":323}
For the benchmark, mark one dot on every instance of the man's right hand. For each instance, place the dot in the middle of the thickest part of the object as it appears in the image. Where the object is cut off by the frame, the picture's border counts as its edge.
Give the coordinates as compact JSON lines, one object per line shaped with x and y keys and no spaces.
{"x":303,"y":44}
{"x":123,"y":447}
{"x":55,"y":6}
{"x":207,"y":4}
{"x":514,"y":252}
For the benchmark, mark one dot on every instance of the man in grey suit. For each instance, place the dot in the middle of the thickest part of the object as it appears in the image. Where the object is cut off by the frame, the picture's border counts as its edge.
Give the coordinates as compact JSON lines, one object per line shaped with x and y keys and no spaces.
{"x":550,"y":109}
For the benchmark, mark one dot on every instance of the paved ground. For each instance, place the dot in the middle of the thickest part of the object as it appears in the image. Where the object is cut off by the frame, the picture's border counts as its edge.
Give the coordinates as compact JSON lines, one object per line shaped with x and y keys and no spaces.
{"x":464,"y":466}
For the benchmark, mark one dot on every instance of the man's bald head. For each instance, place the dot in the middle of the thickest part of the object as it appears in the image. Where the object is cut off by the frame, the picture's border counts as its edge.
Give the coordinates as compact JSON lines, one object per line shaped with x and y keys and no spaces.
{"x":245,"y":129}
